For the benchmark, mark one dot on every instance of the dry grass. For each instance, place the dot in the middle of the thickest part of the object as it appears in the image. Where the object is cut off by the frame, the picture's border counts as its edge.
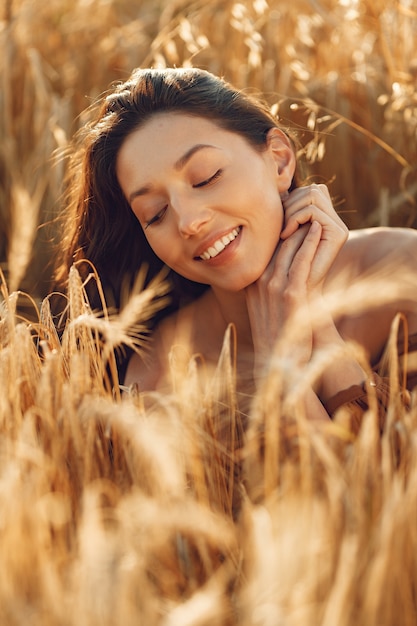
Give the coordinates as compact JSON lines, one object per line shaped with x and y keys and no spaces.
{"x":143,"y":509}
{"x":155,"y":509}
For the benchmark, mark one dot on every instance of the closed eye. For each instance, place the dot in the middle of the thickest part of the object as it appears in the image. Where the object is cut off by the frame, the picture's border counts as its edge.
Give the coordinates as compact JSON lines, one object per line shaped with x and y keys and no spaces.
{"x":209,"y":180}
{"x":156,"y":218}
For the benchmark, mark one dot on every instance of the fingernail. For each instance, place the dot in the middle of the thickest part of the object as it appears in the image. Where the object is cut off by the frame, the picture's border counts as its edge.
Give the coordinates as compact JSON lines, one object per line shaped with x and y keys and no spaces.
{"x":314,"y":226}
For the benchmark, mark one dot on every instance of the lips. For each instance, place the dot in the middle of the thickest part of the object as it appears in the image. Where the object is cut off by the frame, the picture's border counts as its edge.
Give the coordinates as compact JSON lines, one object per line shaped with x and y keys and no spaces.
{"x":219,"y":245}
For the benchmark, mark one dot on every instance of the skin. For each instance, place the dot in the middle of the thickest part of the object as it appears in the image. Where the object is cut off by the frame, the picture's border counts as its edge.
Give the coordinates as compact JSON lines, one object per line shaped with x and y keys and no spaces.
{"x":199,"y":214}
{"x":192,"y":185}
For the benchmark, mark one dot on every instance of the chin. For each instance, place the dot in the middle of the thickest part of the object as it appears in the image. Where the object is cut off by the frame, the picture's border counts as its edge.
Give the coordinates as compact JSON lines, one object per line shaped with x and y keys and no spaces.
{"x":243,"y":282}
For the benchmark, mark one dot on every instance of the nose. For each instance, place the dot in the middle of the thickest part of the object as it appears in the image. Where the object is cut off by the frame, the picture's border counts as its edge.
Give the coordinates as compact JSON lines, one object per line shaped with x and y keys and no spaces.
{"x":192,"y":215}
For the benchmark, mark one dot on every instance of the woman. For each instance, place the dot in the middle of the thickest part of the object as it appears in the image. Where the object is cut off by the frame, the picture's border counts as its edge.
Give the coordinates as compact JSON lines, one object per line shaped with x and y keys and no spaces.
{"x":182,"y":170}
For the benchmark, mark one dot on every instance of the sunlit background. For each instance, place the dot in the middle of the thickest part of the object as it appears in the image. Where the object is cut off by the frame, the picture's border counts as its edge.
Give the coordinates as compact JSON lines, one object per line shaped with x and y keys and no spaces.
{"x":119,"y":511}
{"x":343,"y":73}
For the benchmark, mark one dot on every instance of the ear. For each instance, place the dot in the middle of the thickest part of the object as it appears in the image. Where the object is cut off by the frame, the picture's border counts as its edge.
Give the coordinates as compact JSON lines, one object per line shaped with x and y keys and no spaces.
{"x":280,"y":148}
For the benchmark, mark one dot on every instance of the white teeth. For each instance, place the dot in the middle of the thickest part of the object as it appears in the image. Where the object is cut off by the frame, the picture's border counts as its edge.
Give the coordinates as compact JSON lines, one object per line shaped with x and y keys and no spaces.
{"x":219,"y":245}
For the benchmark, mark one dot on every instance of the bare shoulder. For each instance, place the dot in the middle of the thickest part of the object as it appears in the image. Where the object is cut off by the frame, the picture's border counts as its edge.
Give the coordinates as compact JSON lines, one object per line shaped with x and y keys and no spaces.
{"x":380,"y":243}
{"x":382,"y":261}
{"x":370,"y":249}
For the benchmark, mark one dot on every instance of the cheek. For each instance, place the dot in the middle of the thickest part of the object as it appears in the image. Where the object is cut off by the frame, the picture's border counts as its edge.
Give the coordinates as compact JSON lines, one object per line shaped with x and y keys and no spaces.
{"x":270,"y":216}
{"x":157,"y":248}
{"x":164,"y":248}
{"x":266,"y":198}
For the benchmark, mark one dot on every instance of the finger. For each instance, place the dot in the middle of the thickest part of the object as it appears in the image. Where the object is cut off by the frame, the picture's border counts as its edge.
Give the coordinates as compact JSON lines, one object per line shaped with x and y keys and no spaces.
{"x":317,"y":196}
{"x":285,"y":253}
{"x":300,"y":269}
{"x":302,"y":213}
{"x":310,"y":194}
{"x":314,"y":202}
{"x":309,"y":214}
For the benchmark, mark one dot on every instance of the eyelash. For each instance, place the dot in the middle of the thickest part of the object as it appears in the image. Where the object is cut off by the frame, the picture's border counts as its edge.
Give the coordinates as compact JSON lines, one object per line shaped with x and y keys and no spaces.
{"x":209,"y":180}
{"x":158,"y":217}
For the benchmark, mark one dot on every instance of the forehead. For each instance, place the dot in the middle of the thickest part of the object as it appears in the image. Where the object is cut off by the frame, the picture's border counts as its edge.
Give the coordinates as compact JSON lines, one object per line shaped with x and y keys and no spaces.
{"x":165,"y":137}
{"x":174,"y":127}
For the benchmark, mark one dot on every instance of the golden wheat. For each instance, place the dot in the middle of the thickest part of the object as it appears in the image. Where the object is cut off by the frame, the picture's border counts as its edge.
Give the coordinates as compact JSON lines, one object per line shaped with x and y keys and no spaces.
{"x":146,"y":508}
{"x":200,"y":506}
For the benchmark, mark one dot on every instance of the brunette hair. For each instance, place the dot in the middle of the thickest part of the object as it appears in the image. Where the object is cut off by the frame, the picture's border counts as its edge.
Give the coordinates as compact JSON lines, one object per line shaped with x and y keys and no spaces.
{"x":99,"y":223}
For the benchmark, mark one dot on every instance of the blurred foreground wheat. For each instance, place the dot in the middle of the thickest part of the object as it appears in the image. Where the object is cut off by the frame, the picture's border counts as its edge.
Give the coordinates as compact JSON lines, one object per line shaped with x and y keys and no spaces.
{"x":151,"y":509}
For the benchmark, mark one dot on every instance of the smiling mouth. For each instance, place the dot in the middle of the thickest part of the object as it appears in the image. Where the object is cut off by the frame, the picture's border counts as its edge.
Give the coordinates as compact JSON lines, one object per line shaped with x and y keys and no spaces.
{"x":219,"y":245}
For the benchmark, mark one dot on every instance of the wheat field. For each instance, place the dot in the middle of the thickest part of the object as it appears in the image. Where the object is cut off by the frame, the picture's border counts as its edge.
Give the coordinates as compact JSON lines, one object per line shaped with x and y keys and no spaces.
{"x":199,"y":507}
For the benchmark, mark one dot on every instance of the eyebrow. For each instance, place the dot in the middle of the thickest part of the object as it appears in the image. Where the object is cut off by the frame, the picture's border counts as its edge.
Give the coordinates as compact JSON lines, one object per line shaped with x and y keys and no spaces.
{"x":178,"y":165}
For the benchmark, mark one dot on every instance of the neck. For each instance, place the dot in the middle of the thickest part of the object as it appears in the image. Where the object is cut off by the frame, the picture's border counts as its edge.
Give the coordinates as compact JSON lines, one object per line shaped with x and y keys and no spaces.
{"x":233,"y":309}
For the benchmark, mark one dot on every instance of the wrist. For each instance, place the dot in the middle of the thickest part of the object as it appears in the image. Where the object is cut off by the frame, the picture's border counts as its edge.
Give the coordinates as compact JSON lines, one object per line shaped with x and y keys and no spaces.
{"x":343,"y":369}
{"x":341,"y":374}
{"x":324,"y":328}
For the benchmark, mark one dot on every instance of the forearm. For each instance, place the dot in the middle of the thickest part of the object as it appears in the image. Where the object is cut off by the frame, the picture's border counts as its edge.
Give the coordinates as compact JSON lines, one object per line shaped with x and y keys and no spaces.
{"x":313,"y":408}
{"x":344,"y":370}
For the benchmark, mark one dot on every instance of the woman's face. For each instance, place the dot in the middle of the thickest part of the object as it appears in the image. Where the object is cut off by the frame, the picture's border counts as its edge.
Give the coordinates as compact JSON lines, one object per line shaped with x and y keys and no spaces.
{"x":209,"y":202}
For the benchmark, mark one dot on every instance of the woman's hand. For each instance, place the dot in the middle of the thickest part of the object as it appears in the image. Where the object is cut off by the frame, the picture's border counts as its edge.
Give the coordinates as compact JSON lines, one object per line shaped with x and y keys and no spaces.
{"x":303,"y":206}
{"x":285,"y":305}
{"x":310,"y":241}
{"x":274,"y":301}
{"x":282,"y":291}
